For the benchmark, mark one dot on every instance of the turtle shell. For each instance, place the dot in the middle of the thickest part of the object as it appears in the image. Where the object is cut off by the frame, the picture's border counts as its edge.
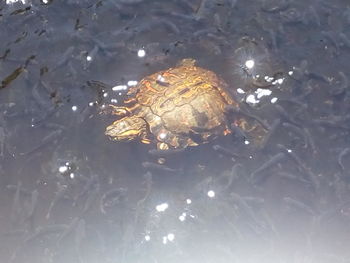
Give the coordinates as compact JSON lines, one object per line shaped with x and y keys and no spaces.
{"x":179,"y":107}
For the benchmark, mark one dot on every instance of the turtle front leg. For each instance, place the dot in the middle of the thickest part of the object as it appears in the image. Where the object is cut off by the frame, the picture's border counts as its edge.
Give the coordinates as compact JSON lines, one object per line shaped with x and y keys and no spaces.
{"x":117,"y":110}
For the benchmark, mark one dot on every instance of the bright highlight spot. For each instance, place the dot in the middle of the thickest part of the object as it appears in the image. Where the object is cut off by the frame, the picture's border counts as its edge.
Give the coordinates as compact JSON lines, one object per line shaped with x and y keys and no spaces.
{"x":141,"y":53}
{"x":162,"y":135}
{"x":263,"y":92}
{"x":15,"y":1}
{"x":147,"y":238}
{"x":74,"y":108}
{"x":211,"y":193}
{"x":132,"y":83}
{"x":182,"y":218}
{"x":240,"y":91}
{"x":251,"y":99}
{"x":88,"y":58}
{"x":274,"y":100}
{"x":188,"y":201}
{"x":171,"y":237}
{"x":162,"y":207}
{"x":119,"y":87}
{"x":249,"y":63}
{"x":63,"y":169}
{"x":278,"y":81}
{"x":268,"y":79}
{"x":160,"y":78}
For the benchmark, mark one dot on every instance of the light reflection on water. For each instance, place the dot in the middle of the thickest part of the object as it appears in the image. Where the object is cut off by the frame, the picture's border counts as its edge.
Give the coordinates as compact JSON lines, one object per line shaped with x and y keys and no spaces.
{"x":69,"y":194}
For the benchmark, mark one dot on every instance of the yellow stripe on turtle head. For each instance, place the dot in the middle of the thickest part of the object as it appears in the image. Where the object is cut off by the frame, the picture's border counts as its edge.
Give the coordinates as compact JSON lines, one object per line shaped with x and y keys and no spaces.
{"x":126,"y":129}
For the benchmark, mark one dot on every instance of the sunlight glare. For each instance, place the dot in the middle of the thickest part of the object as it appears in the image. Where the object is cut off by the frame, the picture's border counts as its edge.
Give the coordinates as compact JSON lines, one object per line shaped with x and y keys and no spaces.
{"x":132,"y":83}
{"x":211,"y":193}
{"x":249,"y":63}
{"x":274,"y":100}
{"x":162,"y":207}
{"x":120,"y":87}
{"x":141,"y":53}
{"x":15,"y":1}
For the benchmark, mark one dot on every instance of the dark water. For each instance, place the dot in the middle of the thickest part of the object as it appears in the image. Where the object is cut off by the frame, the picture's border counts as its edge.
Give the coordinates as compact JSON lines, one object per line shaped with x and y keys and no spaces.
{"x":68,"y":194}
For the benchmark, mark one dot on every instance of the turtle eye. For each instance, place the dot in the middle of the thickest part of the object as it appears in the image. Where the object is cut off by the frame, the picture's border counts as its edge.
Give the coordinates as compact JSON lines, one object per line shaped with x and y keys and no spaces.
{"x":122,"y":125}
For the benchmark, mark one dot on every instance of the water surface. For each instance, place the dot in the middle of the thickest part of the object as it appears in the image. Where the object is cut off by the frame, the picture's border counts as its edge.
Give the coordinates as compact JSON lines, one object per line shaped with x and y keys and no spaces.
{"x":68,"y":193}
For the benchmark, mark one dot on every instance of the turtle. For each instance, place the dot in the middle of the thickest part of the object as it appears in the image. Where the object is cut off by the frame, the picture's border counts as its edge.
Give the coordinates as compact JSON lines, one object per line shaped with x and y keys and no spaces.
{"x":175,"y":108}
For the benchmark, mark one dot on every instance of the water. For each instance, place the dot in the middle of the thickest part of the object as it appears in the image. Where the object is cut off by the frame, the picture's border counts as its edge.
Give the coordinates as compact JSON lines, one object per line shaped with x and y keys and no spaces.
{"x":70,"y":194}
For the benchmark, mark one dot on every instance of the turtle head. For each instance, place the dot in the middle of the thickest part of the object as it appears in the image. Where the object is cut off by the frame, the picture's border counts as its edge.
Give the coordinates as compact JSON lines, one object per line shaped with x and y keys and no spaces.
{"x":127,"y":129}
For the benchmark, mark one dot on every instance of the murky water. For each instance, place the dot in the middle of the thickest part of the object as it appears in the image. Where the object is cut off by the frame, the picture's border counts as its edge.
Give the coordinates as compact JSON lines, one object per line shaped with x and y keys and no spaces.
{"x":69,"y":194}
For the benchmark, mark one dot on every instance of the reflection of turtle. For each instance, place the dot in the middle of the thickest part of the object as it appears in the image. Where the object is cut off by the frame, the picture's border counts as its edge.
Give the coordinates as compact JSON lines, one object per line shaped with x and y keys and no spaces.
{"x":179,"y":107}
